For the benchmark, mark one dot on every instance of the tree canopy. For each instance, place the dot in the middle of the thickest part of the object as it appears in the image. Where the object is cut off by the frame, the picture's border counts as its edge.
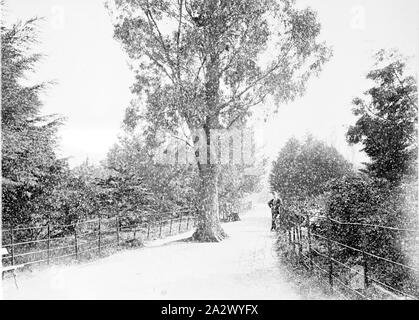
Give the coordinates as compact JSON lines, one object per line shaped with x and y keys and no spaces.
{"x":203,"y":65}
{"x":203,"y":59}
{"x":29,"y":163}
{"x":387,"y":119}
{"x":302,"y":170}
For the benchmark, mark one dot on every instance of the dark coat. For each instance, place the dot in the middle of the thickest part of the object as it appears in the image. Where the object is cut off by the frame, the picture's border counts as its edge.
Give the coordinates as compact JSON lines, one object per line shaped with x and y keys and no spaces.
{"x":275,"y":205}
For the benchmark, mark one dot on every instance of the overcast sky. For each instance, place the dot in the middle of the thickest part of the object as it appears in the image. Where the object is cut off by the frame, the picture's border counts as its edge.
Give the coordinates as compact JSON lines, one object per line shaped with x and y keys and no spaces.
{"x":93,"y":78}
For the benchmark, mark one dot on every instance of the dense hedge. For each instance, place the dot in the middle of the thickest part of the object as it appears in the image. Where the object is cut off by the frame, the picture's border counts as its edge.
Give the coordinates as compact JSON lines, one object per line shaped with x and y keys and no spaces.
{"x":376,"y":202}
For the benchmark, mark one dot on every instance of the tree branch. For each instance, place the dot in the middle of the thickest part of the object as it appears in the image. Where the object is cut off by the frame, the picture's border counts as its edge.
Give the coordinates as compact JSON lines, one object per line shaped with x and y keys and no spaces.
{"x":254,"y":83}
{"x":160,"y":39}
{"x":178,"y":37}
{"x":247,"y":109}
{"x":402,"y":85}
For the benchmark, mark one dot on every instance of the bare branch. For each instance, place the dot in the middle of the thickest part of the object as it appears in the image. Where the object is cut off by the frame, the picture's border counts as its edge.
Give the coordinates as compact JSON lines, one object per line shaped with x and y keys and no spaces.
{"x":181,"y":139}
{"x":247,"y":109}
{"x":160,"y":39}
{"x":161,"y":66}
{"x":178,"y":37}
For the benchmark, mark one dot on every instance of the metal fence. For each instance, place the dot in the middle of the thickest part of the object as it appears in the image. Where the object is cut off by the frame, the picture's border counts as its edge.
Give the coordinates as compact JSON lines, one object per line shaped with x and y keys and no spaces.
{"x":84,"y":239}
{"x":363,"y":274}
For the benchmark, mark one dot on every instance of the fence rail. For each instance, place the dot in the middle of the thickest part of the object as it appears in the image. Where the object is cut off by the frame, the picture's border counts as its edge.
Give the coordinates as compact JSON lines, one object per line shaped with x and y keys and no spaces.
{"x":55,"y":242}
{"x":319,"y":254}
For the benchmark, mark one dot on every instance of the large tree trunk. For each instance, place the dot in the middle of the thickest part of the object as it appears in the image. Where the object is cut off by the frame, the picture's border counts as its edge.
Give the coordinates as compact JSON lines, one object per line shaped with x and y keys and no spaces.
{"x":209,"y":228}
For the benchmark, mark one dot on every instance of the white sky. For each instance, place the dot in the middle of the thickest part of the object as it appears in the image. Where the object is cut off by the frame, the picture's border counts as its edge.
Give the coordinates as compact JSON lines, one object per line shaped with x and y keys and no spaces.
{"x":94,"y":79}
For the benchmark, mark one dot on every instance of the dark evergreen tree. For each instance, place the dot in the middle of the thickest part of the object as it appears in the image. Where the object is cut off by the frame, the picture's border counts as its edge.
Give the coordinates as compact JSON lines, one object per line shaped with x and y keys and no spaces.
{"x":387,"y":123}
{"x":29,"y":164}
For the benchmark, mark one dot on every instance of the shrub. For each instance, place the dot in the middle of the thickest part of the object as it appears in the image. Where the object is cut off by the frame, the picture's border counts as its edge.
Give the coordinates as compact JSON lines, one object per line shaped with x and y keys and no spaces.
{"x":374,"y":202}
{"x":303,"y":169}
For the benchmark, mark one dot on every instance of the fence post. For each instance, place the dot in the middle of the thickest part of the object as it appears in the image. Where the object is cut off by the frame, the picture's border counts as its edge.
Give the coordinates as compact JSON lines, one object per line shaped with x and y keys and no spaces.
{"x":12,"y":246}
{"x":148,"y":230}
{"x":365,"y":261}
{"x":171,"y":222}
{"x":117,"y":230}
{"x":329,"y":253}
{"x":100,"y":235}
{"x":48,"y":243}
{"x":180,"y":224}
{"x":187,"y":223}
{"x":301,"y":234}
{"x":161,"y":222}
{"x":75,"y":242}
{"x":309,"y":242}
{"x":300,"y":242}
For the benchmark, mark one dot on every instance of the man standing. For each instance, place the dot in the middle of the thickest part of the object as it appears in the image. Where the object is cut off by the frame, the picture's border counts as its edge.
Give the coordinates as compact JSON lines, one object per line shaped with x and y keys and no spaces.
{"x":275,"y":205}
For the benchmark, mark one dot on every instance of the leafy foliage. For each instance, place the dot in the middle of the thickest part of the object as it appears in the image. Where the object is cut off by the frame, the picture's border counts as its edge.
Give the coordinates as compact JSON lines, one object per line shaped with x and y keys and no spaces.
{"x":234,"y":184}
{"x":30,"y":168}
{"x":387,"y":123}
{"x":166,"y":188}
{"x":375,"y":202}
{"x":201,"y":59}
{"x":198,"y":66}
{"x":303,"y":169}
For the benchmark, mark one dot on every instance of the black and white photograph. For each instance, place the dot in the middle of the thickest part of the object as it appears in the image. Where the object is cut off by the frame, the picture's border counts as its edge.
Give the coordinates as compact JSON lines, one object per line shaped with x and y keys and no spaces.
{"x":216,"y":153}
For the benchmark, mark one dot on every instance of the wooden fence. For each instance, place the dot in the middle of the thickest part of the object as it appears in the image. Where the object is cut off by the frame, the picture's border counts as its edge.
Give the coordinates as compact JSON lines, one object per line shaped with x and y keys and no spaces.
{"x":84,"y":239}
{"x":364,"y":274}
